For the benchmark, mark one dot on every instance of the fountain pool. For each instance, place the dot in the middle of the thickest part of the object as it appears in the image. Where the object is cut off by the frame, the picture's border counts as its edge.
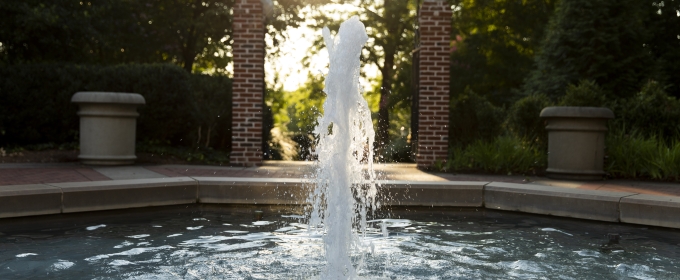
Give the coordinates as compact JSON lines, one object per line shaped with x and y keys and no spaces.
{"x":340,"y":238}
{"x":222,"y":242}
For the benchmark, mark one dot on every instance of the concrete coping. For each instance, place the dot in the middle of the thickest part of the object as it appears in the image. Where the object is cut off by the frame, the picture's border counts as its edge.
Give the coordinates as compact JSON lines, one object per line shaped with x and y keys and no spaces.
{"x":44,"y":199}
{"x":556,"y":201}
{"x":577,"y":112}
{"x":108,"y":97}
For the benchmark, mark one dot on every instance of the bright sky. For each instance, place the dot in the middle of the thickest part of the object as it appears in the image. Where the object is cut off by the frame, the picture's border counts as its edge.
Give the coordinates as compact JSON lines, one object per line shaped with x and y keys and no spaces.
{"x":288,"y":64}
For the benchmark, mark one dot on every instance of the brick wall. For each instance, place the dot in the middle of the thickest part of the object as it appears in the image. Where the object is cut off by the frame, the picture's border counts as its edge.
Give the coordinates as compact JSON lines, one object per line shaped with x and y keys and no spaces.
{"x":248,"y":84}
{"x":433,"y":118}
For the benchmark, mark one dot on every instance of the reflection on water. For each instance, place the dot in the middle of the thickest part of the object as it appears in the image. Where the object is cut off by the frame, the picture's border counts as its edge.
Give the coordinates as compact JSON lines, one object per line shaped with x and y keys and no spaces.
{"x":425,"y":244}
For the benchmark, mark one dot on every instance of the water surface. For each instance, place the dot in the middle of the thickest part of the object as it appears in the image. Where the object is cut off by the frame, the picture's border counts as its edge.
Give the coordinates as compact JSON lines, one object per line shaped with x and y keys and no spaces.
{"x":210,"y":242}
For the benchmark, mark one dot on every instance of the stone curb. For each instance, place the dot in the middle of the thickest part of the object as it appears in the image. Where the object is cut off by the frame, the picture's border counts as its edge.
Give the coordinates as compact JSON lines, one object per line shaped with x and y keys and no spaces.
{"x":252,"y":191}
{"x":555,"y":201}
{"x":651,"y":210}
{"x":121,"y":194}
{"x":419,"y":193}
{"x":44,"y":199}
{"x":29,"y":200}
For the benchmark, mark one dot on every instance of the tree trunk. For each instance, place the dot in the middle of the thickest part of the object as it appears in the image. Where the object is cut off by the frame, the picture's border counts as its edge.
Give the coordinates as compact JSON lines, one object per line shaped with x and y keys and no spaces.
{"x":383,"y":133}
{"x":189,"y":45}
{"x":188,"y":53}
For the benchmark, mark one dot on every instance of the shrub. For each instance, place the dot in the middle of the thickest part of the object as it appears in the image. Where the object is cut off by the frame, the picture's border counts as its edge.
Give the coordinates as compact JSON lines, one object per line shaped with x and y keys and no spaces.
{"x":524,"y":120}
{"x":651,"y":112}
{"x":473,"y":118}
{"x":586,"y":94}
{"x":634,"y":156}
{"x":35,"y":101}
{"x":598,"y":40}
{"x":167,"y":91}
{"x":211,"y":104}
{"x":504,"y":155}
{"x":398,"y":150}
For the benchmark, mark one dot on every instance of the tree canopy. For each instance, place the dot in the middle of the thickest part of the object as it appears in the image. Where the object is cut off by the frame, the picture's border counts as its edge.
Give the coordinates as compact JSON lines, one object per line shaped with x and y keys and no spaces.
{"x":596,"y":40}
{"x":494,"y":44}
{"x":194,"y":34}
{"x":391,"y":27}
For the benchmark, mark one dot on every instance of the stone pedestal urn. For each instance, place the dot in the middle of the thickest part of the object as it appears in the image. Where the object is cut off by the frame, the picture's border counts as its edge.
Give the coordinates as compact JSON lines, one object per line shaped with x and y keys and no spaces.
{"x":576,"y":141}
{"x":108,"y":124}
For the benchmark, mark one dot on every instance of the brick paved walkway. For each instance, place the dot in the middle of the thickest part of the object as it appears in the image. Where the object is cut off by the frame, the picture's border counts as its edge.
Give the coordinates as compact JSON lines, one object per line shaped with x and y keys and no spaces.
{"x":37,"y":175}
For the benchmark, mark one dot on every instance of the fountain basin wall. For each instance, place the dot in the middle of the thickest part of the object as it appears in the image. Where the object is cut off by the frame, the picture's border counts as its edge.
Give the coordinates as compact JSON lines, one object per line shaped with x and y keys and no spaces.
{"x":43,"y":199}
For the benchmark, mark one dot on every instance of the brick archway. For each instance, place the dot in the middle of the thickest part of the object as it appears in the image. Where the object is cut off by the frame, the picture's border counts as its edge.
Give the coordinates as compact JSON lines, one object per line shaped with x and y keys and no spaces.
{"x":249,"y":86}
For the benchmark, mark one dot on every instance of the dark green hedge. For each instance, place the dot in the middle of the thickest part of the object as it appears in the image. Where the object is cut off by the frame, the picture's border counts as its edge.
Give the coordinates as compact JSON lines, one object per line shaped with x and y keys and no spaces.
{"x":474,"y":118}
{"x":35,"y":102}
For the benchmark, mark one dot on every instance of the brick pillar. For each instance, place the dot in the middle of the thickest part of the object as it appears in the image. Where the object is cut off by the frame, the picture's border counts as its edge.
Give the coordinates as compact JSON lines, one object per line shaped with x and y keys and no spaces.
{"x":433,"y":107}
{"x":248,"y":83}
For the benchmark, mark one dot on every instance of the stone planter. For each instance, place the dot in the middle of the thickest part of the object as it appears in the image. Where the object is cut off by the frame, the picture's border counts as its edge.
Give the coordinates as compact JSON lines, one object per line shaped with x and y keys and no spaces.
{"x":576,"y":141}
{"x":108,"y":124}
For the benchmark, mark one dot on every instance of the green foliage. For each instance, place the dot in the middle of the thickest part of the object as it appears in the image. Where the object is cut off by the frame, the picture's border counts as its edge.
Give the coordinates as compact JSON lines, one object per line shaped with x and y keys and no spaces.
{"x":651,"y":112}
{"x":663,"y":35}
{"x":502,"y":155}
{"x":494,"y":45}
{"x":586,"y":94}
{"x":636,"y":156}
{"x":600,"y":41}
{"x":401,"y":131}
{"x":629,"y":155}
{"x":389,"y":24}
{"x":524,"y":122}
{"x":35,"y":104}
{"x":36,"y":30}
{"x":474,"y":118}
{"x":211,"y":109}
{"x":304,"y":106}
{"x":194,"y":35}
{"x":166,"y":89}
{"x":293,"y":116}
{"x":398,"y":150}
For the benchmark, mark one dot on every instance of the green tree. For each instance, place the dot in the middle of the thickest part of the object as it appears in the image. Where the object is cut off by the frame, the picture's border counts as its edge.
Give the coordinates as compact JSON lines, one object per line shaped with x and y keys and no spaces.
{"x":494,"y":46}
{"x":390,"y":26}
{"x":193,"y":34}
{"x":585,"y":94}
{"x":33,"y":31}
{"x":663,"y":43}
{"x":600,"y":41}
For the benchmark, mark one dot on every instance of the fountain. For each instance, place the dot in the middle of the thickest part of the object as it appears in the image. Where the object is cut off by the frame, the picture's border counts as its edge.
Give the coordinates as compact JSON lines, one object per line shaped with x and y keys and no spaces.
{"x":210,"y":241}
{"x":345,"y":141}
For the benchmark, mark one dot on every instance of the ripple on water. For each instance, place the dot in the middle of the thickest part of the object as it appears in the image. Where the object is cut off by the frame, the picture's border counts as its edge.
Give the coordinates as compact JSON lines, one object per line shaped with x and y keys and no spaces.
{"x":26,"y":255}
{"x":95,"y":227}
{"x":138,"y":236}
{"x":291,"y":251}
{"x":61,"y":265}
